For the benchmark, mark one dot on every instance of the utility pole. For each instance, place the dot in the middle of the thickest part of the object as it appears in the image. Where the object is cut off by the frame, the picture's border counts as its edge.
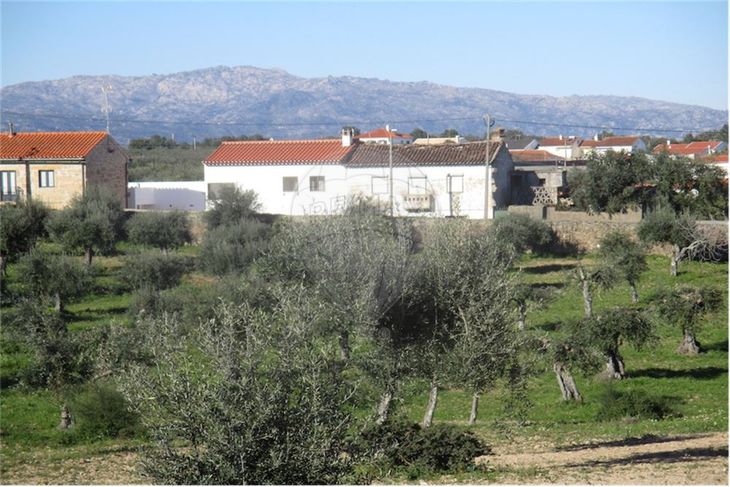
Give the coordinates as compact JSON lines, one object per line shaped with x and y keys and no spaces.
{"x":106,"y":109}
{"x":390,"y":167}
{"x":488,"y":179}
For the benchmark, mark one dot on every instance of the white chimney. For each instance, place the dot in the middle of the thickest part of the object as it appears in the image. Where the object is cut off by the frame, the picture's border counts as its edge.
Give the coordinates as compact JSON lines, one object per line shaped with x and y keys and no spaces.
{"x":595,"y":137}
{"x":560,"y":136}
{"x":347,"y":136}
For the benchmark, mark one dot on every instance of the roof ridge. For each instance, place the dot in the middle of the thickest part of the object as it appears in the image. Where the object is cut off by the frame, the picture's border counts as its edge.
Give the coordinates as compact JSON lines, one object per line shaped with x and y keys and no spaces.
{"x":57,"y":132}
{"x":287,"y":141}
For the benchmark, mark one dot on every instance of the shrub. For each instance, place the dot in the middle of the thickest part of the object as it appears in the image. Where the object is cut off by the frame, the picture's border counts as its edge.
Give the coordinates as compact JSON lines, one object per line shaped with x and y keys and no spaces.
{"x":165,"y":230}
{"x":102,"y":412}
{"x":232,"y":248}
{"x":20,"y":227}
{"x":153,"y":271}
{"x":231,"y":206}
{"x":399,"y":443}
{"x":53,"y":276}
{"x":633,"y":403}
{"x":525,"y":233}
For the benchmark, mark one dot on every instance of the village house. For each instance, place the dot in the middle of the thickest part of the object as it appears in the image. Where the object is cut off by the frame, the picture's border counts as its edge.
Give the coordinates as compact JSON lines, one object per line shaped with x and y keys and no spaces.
{"x":692,"y":150}
{"x":384,"y":135}
{"x":305,"y":177}
{"x":54,"y":167}
{"x":628,"y":144}
{"x":564,"y":147}
{"x":539,"y":177}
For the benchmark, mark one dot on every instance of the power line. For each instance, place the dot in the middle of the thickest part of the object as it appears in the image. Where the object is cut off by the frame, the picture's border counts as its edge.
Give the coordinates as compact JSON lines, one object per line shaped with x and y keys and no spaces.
{"x":327,"y":123}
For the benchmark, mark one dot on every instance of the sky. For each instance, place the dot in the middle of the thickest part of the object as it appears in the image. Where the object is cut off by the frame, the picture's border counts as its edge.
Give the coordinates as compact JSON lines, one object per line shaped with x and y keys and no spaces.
{"x":673,"y":51}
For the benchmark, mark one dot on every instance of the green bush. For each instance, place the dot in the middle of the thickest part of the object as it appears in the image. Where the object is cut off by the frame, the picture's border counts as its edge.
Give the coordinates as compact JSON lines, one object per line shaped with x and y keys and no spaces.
{"x":399,"y":444}
{"x":230,"y":206}
{"x":154,"y":271}
{"x":165,"y":230}
{"x":525,"y":233}
{"x":232,"y":248}
{"x":633,"y":403}
{"x":100,"y":411}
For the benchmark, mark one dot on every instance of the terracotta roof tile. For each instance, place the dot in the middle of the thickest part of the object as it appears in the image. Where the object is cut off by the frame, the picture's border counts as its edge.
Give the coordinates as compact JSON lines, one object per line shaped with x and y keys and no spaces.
{"x":382,"y":133}
{"x":557,"y":141}
{"x":49,"y":145}
{"x":376,"y":155}
{"x":519,"y":155}
{"x":698,"y":147}
{"x":328,"y":151}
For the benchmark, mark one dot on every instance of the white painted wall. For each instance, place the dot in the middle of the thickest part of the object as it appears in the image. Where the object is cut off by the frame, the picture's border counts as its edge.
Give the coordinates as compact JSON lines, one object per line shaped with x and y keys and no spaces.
{"x":167,"y":195}
{"x":566,"y":152}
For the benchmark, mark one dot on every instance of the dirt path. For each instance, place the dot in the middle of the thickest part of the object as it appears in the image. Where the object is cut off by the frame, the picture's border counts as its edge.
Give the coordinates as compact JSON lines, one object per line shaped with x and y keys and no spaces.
{"x":681,"y":459}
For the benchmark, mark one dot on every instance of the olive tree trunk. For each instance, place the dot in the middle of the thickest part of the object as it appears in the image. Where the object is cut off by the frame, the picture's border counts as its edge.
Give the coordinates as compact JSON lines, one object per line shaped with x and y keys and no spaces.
{"x":689,"y":345}
{"x":674,"y":260}
{"x":634,"y":292}
{"x":587,"y":297}
{"x":3,"y":265}
{"x":431,"y":406}
{"x":66,"y":418}
{"x":384,"y":407}
{"x":521,"y":316}
{"x":566,"y":382}
{"x":344,"y":341}
{"x":474,"y":408}
{"x":615,"y":366}
{"x":58,"y":302}
{"x":88,"y":255}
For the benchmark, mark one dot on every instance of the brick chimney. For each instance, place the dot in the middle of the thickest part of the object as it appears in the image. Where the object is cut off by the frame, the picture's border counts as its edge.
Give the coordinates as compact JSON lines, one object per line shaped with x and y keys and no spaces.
{"x":497,"y":135}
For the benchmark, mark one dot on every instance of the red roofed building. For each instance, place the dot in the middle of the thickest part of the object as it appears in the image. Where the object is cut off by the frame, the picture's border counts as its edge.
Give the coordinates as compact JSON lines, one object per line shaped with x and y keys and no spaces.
{"x":630,"y":143}
{"x":384,"y":135}
{"x":693,"y":149}
{"x":54,"y":167}
{"x":303,"y":177}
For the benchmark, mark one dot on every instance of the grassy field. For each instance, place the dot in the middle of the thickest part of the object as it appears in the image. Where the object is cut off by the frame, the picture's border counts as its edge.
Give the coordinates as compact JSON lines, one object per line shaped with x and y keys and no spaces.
{"x":697,"y":385}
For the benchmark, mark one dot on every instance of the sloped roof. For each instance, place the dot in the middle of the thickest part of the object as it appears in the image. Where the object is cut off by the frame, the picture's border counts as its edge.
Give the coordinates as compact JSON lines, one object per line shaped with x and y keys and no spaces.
{"x":696,"y":147}
{"x":238,"y":153}
{"x":611,"y":142}
{"x":48,"y":145}
{"x":473,"y":153}
{"x":519,"y":143}
{"x":382,"y":133}
{"x":557,"y":141}
{"x":533,"y":155}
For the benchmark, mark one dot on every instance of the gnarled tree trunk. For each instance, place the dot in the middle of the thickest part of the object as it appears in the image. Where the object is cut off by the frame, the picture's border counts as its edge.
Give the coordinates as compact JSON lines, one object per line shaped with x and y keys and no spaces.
{"x":66,"y":418}
{"x":587,"y":297}
{"x":521,"y":316}
{"x":344,"y":341}
{"x":3,"y":265}
{"x":566,"y":382}
{"x":431,"y":406}
{"x":88,"y":255}
{"x":615,"y":366}
{"x":689,"y":345}
{"x":674,"y":260}
{"x":384,"y":407}
{"x":634,"y":292}
{"x":474,"y":408}
{"x":58,"y":302}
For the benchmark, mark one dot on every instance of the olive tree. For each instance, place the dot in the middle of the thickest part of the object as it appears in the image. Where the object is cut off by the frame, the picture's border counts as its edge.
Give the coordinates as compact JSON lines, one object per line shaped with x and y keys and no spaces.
{"x":20,"y":227}
{"x":688,"y":241}
{"x":164,"y":230}
{"x":625,"y":257}
{"x":57,"y":277}
{"x":232,"y":248}
{"x":249,"y":397}
{"x":524,"y":233}
{"x":231,"y":205}
{"x":93,"y":222}
{"x":685,"y":307}
{"x":525,"y":297}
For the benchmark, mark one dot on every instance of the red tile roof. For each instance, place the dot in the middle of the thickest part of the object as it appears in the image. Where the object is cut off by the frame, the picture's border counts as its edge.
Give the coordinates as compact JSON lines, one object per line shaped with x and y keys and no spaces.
{"x":716,"y":159}
{"x":48,"y":145}
{"x":698,"y":147}
{"x":519,"y":155}
{"x":557,"y":141}
{"x":328,"y":151}
{"x":376,"y":155}
{"x":611,"y":142}
{"x":382,"y":133}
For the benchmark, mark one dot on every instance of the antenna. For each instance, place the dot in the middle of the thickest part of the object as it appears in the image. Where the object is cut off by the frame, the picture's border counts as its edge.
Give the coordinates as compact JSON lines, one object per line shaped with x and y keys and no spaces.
{"x":106,"y":109}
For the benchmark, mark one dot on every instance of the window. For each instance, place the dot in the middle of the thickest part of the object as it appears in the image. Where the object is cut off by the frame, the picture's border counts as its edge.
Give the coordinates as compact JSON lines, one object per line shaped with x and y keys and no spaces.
{"x":7,"y":178}
{"x":215,"y":188}
{"x":417,"y":185}
{"x":380,"y":185}
{"x":46,"y":179}
{"x":456,"y":184}
{"x":290,"y":184}
{"x":541,"y":181}
{"x":316,"y":183}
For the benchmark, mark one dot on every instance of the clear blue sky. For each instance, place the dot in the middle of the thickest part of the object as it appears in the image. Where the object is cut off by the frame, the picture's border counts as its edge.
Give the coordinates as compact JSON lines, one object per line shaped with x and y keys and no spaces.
{"x":674,"y":51}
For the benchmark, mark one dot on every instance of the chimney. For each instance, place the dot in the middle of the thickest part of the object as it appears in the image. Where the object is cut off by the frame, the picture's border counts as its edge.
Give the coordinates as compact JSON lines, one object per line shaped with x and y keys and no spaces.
{"x":347,"y":137}
{"x":497,"y":135}
{"x":11,"y":126}
{"x":595,"y":137}
{"x":560,"y":137}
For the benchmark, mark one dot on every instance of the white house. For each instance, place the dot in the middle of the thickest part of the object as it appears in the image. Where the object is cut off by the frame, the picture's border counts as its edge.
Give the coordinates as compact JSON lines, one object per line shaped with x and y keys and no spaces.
{"x":302,"y":177}
{"x":563,"y":147}
{"x":693,"y":150}
{"x":457,"y":139}
{"x":629,"y":144}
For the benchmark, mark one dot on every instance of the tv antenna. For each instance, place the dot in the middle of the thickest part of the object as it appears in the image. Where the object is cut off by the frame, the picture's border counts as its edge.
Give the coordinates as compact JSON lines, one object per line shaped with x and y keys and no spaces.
{"x":106,"y":109}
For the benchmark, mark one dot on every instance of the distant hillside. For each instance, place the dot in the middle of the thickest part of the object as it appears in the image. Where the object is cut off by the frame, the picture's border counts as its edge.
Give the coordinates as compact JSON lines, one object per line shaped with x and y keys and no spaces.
{"x":205,"y":101}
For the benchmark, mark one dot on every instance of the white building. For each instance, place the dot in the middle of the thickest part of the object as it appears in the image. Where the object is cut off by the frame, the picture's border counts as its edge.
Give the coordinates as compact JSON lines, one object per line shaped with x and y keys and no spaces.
{"x":628,"y":144}
{"x":302,"y":177}
{"x":563,"y":147}
{"x":166,"y":195}
{"x":384,"y":136}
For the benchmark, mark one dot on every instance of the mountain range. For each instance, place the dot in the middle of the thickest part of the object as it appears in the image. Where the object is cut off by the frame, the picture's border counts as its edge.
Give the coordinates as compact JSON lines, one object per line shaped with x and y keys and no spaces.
{"x":231,"y":101}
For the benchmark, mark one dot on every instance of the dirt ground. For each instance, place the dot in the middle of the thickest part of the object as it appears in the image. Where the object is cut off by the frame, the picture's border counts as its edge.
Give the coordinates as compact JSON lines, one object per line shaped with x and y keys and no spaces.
{"x":681,"y":459}
{"x":685,"y":459}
